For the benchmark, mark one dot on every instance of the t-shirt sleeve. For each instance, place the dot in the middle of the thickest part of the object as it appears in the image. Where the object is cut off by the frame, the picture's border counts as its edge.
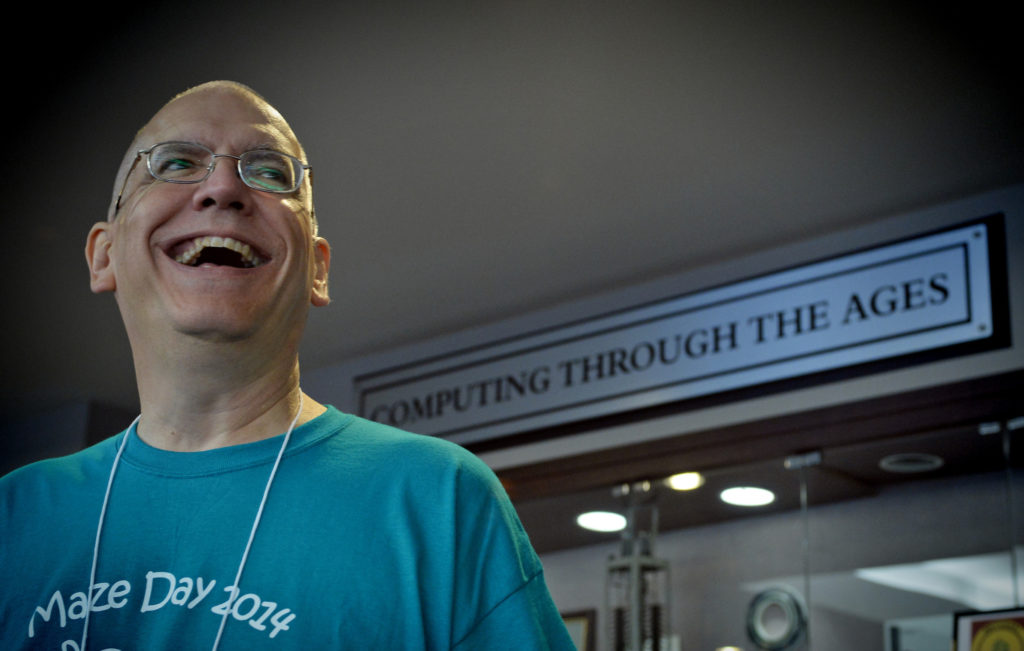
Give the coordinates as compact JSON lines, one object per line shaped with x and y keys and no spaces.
{"x":527,"y":620}
{"x":501,"y":595}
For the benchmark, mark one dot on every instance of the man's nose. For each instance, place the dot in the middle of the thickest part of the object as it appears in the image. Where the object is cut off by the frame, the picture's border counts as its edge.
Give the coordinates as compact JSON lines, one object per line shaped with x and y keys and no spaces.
{"x":223,"y":188}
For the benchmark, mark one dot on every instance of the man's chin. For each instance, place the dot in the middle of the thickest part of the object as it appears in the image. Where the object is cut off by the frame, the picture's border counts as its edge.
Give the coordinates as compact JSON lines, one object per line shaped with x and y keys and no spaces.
{"x":217,"y":330}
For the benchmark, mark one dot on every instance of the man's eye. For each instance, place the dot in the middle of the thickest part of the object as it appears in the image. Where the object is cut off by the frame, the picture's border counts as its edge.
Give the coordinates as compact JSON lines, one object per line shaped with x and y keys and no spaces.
{"x":176,"y":167}
{"x":177,"y":164}
{"x":268,"y":172}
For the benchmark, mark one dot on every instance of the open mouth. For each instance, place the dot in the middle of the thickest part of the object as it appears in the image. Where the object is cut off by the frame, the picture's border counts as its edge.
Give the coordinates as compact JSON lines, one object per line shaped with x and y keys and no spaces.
{"x":221,"y":251}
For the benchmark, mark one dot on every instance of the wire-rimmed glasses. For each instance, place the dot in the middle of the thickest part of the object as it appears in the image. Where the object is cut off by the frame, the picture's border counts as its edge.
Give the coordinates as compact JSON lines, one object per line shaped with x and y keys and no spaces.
{"x":266,"y":170}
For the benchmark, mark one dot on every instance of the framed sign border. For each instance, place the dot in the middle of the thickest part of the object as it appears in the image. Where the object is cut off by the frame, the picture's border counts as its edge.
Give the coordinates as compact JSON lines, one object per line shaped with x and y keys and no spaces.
{"x":999,"y":337}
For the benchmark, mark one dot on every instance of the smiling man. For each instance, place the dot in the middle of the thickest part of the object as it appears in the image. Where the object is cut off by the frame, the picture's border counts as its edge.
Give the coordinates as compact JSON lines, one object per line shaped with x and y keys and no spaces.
{"x":237,"y":512}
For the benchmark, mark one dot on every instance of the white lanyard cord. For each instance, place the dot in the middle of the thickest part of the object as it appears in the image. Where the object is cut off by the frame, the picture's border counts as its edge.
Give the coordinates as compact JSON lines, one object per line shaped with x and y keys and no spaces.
{"x":248,"y":545}
{"x":99,"y":529}
{"x":255,"y":523}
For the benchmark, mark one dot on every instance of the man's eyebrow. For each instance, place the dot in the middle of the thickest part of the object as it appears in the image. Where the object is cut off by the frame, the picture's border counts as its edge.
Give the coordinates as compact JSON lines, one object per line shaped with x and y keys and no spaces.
{"x":262,"y":145}
{"x":278,"y":147}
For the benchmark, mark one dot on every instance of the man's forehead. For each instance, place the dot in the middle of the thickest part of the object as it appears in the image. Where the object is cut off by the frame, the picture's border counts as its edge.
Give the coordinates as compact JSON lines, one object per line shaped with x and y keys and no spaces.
{"x":220,"y":115}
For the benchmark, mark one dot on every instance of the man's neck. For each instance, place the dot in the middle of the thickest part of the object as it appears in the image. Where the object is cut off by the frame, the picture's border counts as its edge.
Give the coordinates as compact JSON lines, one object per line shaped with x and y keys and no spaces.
{"x":210,"y":401}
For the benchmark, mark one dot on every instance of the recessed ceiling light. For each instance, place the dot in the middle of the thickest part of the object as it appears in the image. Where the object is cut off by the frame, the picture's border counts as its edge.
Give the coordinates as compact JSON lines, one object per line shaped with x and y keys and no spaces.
{"x":747,"y":496}
{"x":601,"y":521}
{"x":910,"y":462}
{"x":686,"y":481}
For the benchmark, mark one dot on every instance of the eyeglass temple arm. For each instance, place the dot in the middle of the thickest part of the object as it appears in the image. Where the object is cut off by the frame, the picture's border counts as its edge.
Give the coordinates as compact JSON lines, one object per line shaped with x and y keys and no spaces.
{"x":124,"y":184}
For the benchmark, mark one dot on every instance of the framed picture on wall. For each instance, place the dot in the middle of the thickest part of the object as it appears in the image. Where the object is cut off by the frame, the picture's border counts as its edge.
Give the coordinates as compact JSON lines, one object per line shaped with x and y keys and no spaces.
{"x":993,"y":630}
{"x":581,"y":628}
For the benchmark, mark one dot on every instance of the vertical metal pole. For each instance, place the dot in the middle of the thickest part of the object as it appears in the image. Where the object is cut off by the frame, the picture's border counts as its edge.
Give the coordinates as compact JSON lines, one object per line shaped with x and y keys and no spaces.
{"x":1014,"y":576}
{"x":805,"y":548}
{"x":801,"y":463}
{"x":635,"y":604}
{"x":668,"y":606}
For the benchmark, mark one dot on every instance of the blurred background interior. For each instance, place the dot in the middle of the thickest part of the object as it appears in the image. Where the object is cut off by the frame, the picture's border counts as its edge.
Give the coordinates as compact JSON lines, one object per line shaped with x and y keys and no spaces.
{"x":485,"y":170}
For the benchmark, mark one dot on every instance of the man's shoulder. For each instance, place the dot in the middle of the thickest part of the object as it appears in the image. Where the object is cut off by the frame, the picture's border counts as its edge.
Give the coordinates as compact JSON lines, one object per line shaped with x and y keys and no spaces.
{"x":390,"y":434}
{"x":77,"y":469}
{"x":407,"y":447}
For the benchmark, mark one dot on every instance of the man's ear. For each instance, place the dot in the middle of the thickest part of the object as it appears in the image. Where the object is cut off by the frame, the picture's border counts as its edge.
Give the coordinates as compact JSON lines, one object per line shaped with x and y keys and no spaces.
{"x":321,"y":266}
{"x":97,"y":254}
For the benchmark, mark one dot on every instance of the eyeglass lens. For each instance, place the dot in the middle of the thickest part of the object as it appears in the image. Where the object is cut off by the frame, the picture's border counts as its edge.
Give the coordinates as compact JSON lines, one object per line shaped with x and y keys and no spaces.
{"x":182,"y":162}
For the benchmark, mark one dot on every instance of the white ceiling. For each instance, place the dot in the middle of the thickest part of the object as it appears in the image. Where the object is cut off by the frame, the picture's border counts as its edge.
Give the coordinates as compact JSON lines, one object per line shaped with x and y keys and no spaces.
{"x":476,"y":160}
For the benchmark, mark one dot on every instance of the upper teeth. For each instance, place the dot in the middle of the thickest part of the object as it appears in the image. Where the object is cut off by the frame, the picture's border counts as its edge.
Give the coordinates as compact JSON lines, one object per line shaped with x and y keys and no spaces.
{"x":198,"y":244}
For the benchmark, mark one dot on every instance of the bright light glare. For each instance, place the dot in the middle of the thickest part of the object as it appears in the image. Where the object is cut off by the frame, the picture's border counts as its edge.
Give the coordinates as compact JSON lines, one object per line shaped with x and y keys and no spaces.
{"x":601,"y":521}
{"x":747,"y":496}
{"x":686,"y":481}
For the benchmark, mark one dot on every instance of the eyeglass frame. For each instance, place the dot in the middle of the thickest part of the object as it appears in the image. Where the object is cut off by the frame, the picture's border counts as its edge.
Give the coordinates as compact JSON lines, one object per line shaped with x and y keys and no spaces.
{"x":303,"y":167}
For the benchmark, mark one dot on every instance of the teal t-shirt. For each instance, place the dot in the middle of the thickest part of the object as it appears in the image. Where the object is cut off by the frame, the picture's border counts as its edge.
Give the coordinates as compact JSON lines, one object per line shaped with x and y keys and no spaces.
{"x":371,"y":538}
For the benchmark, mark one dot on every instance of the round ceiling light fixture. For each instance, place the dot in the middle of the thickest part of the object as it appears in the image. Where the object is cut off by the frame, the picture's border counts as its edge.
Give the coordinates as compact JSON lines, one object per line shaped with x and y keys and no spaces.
{"x":747,"y":496}
{"x":685,"y":481}
{"x":911,"y":462}
{"x":603,"y":521}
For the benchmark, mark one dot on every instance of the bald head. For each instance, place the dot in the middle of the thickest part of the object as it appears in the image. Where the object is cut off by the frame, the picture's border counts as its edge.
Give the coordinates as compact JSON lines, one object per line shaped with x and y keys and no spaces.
{"x":199,"y":94}
{"x":219,"y":249}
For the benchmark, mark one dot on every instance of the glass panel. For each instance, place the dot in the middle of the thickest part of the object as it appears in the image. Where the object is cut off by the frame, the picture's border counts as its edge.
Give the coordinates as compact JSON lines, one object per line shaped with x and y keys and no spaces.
{"x":893,"y":553}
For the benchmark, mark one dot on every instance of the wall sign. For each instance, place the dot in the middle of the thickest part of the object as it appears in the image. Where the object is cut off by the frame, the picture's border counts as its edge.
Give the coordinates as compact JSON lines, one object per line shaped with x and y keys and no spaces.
{"x":892,"y":300}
